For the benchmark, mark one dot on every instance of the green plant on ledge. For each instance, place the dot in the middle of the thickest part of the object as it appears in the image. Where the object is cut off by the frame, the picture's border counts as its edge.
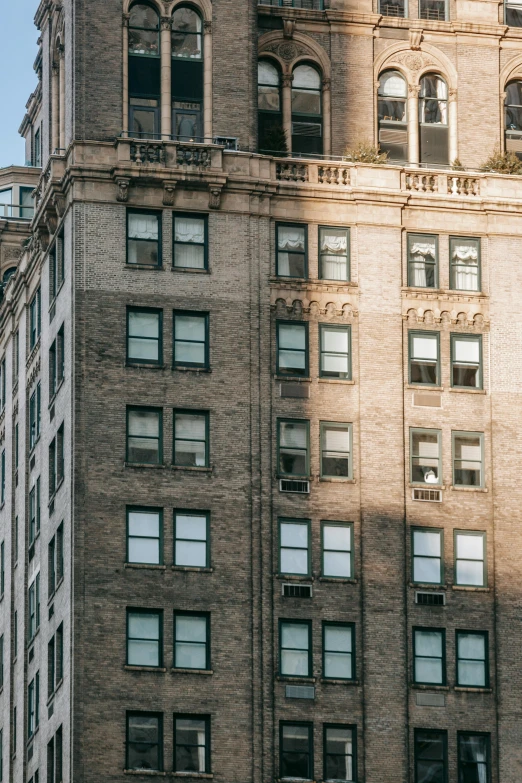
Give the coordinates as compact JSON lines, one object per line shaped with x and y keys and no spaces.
{"x":502,"y":163}
{"x":274,"y":141}
{"x":457,"y":165}
{"x":365,"y":152}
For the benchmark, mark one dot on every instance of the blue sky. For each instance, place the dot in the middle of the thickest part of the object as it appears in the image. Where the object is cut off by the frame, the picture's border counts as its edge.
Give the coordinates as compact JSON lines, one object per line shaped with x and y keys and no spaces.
{"x":18,"y":80}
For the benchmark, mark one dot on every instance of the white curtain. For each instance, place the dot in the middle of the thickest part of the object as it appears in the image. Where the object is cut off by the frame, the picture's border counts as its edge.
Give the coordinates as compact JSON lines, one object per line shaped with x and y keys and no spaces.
{"x":419,"y":254}
{"x":337,"y":440}
{"x":189,"y":230}
{"x":465,"y":259}
{"x":333,"y":244}
{"x":291,"y":239}
{"x":143,"y":226}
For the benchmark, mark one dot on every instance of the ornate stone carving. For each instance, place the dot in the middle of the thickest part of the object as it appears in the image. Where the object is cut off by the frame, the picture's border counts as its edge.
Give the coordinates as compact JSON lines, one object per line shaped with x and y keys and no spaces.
{"x":125,"y":20}
{"x":165,"y":23}
{"x":326,"y":84}
{"x":287,"y":80}
{"x":415,"y":39}
{"x":123,"y":184}
{"x":51,"y":220}
{"x":288,"y":28}
{"x":169,"y":189}
{"x":414,"y":61}
{"x":11,"y":253}
{"x":44,"y":238}
{"x":148,"y":152}
{"x":59,"y":203}
{"x":207,"y":27}
{"x":214,"y":196}
{"x":287,"y":50}
{"x":193,"y":156}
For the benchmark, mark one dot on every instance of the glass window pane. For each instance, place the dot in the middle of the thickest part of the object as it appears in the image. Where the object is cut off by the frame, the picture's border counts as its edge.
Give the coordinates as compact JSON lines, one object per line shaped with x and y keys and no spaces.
{"x":294,"y":561}
{"x":428,"y":670}
{"x":334,"y":340}
{"x":307,"y":77}
{"x":425,"y":347}
{"x":147,"y":350}
{"x":428,"y":643}
{"x":190,"y":353}
{"x":338,"y":665}
{"x":472,"y":673}
{"x":143,"y":653}
{"x":143,"y":324}
{"x":191,"y":553}
{"x":466,"y":350}
{"x":470,"y":572}
{"x":291,"y":238}
{"x":190,"y":426}
{"x":190,"y":327}
{"x":294,"y":663}
{"x":470,"y":546}
{"x":426,"y":569}
{"x":144,"y":550}
{"x":190,"y":256}
{"x":336,"y":438}
{"x":337,"y":564}
{"x":191,"y":656}
{"x":294,"y":535}
{"x":144,"y":626}
{"x":294,"y":635}
{"x":292,"y":336}
{"x":472,"y":646}
{"x":337,"y":639}
{"x":191,"y":526}
{"x":143,"y":226}
{"x":144,"y":424}
{"x":267,"y":73}
{"x":191,"y":628}
{"x":426,"y":542}
{"x":293,"y":434}
{"x":144,"y":523}
{"x":337,"y":537}
{"x":189,"y":229}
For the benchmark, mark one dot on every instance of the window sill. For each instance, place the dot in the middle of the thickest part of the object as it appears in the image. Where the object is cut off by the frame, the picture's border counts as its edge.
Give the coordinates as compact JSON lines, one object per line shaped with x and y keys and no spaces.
{"x":53,"y":496}
{"x":468,"y":689}
{"x":53,"y":594}
{"x":190,"y":269}
{"x":206,"y":672}
{"x":420,"y":386}
{"x":188,"y":368}
{"x":196,"y":569}
{"x":55,"y":395}
{"x":427,"y":486}
{"x":151,"y":267}
{"x":333,"y":681}
{"x":145,"y":365}
{"x":426,"y":586}
{"x":292,"y":379}
{"x":147,"y":566}
{"x":34,"y":350}
{"x":294,"y":577}
{"x":336,"y":480}
{"x":191,"y":469}
{"x":201,"y":775}
{"x":471,"y":589}
{"x":53,"y":694}
{"x":152,"y":669}
{"x":467,"y":489}
{"x":466,"y":390}
{"x":288,"y":678}
{"x":419,"y":686}
{"x":32,"y":738}
{"x":148,"y":772}
{"x":343,"y":580}
{"x":344,"y":381}
{"x":143,"y":465}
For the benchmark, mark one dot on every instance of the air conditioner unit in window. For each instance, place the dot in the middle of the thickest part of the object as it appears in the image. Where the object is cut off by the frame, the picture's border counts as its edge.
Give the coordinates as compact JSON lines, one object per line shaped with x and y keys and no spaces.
{"x":292,"y":485}
{"x":296,"y":590}
{"x":430,"y":599}
{"x":228,"y":142}
{"x":427,"y":495}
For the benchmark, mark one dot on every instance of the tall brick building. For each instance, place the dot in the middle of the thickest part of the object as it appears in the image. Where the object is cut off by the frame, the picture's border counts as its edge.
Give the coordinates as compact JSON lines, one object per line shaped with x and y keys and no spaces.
{"x":259,"y":441}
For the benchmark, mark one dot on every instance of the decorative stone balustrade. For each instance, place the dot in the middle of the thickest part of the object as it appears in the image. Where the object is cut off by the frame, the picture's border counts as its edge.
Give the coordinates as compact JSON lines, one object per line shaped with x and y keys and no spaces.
{"x":292,"y":172}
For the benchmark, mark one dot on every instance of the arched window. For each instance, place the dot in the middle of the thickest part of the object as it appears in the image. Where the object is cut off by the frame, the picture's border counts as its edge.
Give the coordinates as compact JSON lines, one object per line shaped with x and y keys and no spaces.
{"x":187,"y":74}
{"x":513,"y":13}
{"x":8,"y":274}
{"x":513,"y":117}
{"x":393,"y":115}
{"x":270,"y":118}
{"x":307,"y":121}
{"x":144,"y":72}
{"x":433,"y":120}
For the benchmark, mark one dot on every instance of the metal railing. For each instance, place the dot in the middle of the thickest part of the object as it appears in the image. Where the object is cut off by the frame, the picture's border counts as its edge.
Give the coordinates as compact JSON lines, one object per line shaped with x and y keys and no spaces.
{"x":310,"y":5}
{"x":16,"y":211}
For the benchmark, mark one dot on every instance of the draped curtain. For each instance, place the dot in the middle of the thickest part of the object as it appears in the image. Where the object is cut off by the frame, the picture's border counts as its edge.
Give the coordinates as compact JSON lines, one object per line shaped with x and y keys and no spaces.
{"x":420,"y":255}
{"x":465,"y":261}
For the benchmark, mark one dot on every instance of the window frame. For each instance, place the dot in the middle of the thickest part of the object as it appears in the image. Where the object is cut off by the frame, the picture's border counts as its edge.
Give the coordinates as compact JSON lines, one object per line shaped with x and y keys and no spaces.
{"x":446,"y":12}
{"x":454,"y":336}
{"x":413,"y":237}
{"x":145,"y":509}
{"x":429,"y":629}
{"x":487,"y":735}
{"x":159,"y":215}
{"x":159,"y":410}
{"x":452,"y":240}
{"x":323,"y":425}
{"x":353,"y":728}
{"x":196,"y":513}
{"x":424,"y":333}
{"x":337,"y":624}
{"x":195,"y":216}
{"x":192,"y":412}
{"x":322,"y":228}
{"x":208,"y":648}
{"x":195,"y":365}
{"x":295,"y":621}
{"x":419,"y":528}
{"x":35,"y":319}
{"x":340,"y":328}
{"x":485,"y":635}
{"x":440,"y":482}
{"x":295,"y":521}
{"x":306,"y":326}
{"x":458,"y":433}
{"x":310,"y":727}
{"x":141,"y":610}
{"x":284,"y":420}
{"x":456,"y":559}
{"x":287,"y":224}
{"x":208,"y":737}
{"x":350,"y":526}
{"x":444,"y":735}
{"x":143,"y":713}
{"x":153,"y":310}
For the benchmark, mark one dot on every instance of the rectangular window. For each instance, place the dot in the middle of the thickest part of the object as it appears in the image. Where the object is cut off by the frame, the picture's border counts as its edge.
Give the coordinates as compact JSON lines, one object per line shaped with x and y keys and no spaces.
{"x":191,"y":339}
{"x":144,"y":335}
{"x":53,"y":374}
{"x":144,"y":435}
{"x":336,"y":461}
{"x":294,"y":546}
{"x":35,"y":416}
{"x":472,"y":659}
{"x":191,"y":641}
{"x":144,"y":238}
{"x":513,"y":16}
{"x":144,"y":535}
{"x":190,"y":241}
{"x":37,"y":149}
{"x":50,"y":761}
{"x":15,"y":731}
{"x":337,"y":541}
{"x":429,"y":665}
{"x":33,"y":693}
{"x":466,"y":361}
{"x":335,"y":343}
{"x":15,"y":635}
{"x":144,"y":741}
{"x":334,"y":253}
{"x":423,"y":261}
{"x":474,"y":758}
{"x":338,"y":651}
{"x":434,"y":10}
{"x":468,"y":454}
{"x":2,"y":385}
{"x":426,"y":458}
{"x":2,"y":661}
{"x":59,"y":553}
{"x":34,"y":607}
{"x":191,"y":539}
{"x":56,"y":267}
{"x":296,"y":751}
{"x":35,"y":319}
{"x":52,"y":565}
{"x":58,"y":749}
{"x":16,"y":445}
{"x":427,"y":552}
{"x":339,"y":743}
{"x":51,"y":667}
{"x":295,"y":648}
{"x":292,"y":250}
{"x":2,"y":478}
{"x":465,"y":263}
{"x":34,"y":512}
{"x":293,"y":447}
{"x":431,"y":756}
{"x":292,"y":349}
{"x":192,"y":743}
{"x":16,"y":357}
{"x":191,"y":439}
{"x":470,"y":559}
{"x":2,"y":568}
{"x":424,"y":354}
{"x":144,"y":638}
{"x":59,"y":654}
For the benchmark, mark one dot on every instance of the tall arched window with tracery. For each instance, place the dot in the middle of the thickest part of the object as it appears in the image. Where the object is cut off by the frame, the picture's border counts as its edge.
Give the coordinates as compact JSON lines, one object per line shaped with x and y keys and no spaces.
{"x":433,"y":120}
{"x":187,"y":74}
{"x":393,"y":115}
{"x":513,"y":117}
{"x":307,"y":119}
{"x":269,"y":106}
{"x":144,"y":72}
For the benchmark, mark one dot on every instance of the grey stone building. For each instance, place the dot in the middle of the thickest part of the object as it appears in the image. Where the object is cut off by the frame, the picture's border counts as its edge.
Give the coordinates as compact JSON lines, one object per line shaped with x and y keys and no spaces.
{"x":261,"y":398}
